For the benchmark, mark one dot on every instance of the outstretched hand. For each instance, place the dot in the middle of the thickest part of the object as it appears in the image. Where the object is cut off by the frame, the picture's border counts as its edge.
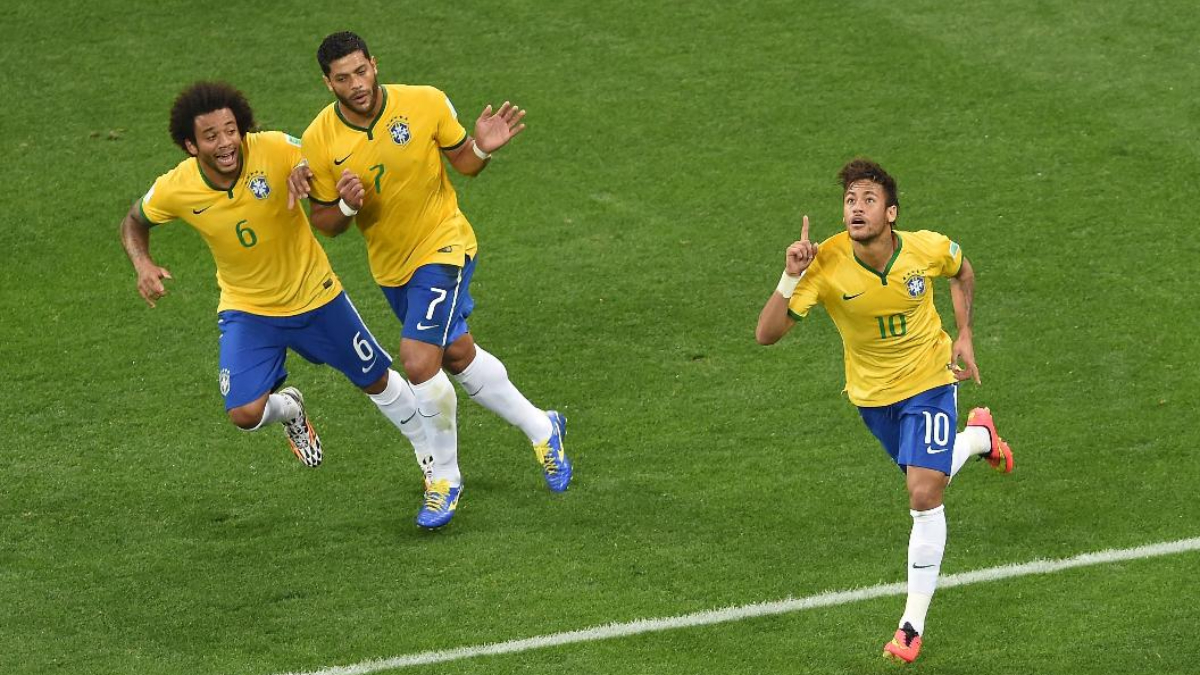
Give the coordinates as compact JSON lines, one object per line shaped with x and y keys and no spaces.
{"x":493,"y":130}
{"x":801,"y":253}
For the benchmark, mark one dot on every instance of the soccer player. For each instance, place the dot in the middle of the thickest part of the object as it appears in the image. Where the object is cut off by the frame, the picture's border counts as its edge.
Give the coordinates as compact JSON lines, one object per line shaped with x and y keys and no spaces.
{"x":277,"y":288}
{"x":902,"y":368}
{"x":375,"y":157}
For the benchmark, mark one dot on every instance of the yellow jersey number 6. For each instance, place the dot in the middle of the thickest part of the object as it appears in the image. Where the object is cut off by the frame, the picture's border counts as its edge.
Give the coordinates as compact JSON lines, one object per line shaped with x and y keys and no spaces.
{"x":245,"y":235}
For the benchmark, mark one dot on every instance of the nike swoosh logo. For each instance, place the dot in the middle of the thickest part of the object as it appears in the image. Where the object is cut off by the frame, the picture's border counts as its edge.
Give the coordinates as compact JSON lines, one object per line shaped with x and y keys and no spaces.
{"x":922,"y":567}
{"x":421,"y":326}
{"x":338,"y":162}
{"x":935,"y":452}
{"x":199,"y":211}
{"x":369,"y":366}
{"x":851,"y":297}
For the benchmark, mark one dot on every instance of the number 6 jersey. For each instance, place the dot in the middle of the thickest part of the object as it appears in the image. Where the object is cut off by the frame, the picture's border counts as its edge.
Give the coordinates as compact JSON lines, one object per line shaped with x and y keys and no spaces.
{"x":268,"y":261}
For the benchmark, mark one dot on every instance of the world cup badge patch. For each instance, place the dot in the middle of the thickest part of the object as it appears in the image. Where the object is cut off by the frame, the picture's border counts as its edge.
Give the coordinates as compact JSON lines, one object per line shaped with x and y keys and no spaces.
{"x":399,"y":130}
{"x":259,"y":186}
{"x":915,"y":282}
{"x":223,"y":379}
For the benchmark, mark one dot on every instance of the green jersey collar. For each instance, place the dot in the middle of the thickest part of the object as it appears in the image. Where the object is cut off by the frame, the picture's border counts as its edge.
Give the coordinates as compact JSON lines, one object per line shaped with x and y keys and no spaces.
{"x":370,"y":129}
{"x":241,"y":168}
{"x":887,"y":268}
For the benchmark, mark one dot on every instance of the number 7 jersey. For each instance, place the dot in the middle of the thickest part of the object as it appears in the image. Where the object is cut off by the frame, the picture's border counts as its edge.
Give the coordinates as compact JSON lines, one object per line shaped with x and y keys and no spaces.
{"x":892,"y":336}
{"x":410,"y":215}
{"x":268,"y":261}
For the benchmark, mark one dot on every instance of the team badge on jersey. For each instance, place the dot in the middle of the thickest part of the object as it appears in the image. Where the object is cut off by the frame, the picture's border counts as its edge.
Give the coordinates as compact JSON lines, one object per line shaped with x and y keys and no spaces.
{"x":399,"y":130}
{"x":223,"y":379}
{"x":915,"y":282}
{"x":259,"y":186}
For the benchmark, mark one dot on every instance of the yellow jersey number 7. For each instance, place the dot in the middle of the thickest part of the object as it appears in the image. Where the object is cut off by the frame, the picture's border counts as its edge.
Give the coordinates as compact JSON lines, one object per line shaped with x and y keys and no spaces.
{"x":378,"y":170}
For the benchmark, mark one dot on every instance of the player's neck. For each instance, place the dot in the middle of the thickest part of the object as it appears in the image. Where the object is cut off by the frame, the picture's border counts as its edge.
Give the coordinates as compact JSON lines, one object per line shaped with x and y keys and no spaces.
{"x":218,"y":180}
{"x":877,"y":251}
{"x":352,"y":116}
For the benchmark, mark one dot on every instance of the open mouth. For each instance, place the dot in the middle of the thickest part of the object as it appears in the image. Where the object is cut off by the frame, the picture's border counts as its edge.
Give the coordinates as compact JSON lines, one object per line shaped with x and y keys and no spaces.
{"x":226,"y":159}
{"x":361,"y":100}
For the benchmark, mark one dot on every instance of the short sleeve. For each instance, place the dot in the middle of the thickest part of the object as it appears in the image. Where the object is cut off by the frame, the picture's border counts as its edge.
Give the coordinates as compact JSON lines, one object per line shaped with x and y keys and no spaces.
{"x":324,"y":182}
{"x":155,"y":205}
{"x":450,"y":133}
{"x":291,"y":148}
{"x":807,"y":294}
{"x":945,"y":255}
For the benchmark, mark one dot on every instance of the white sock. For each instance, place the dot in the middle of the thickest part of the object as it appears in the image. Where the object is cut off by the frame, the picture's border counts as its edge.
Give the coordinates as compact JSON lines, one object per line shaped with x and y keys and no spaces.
{"x":437,"y":406}
{"x":925,"y":547}
{"x":399,"y":405}
{"x":486,"y":382}
{"x":968,"y":443}
{"x":277,"y":409}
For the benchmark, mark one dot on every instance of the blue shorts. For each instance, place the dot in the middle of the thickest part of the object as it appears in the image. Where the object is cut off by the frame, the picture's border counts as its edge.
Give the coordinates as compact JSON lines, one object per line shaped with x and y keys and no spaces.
{"x":254,"y":348}
{"x":435,"y":303}
{"x":918,"y":431}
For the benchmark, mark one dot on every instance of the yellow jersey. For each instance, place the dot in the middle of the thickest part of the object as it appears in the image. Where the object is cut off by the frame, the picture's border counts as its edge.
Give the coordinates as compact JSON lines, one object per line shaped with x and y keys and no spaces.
{"x":892,"y":336}
{"x":410,"y":215}
{"x":268,"y":261}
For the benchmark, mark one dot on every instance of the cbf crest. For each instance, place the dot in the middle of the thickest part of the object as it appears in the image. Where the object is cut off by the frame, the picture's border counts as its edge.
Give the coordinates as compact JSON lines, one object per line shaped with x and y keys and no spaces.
{"x":223,"y":380}
{"x":258,"y":185}
{"x":915,"y":283}
{"x":399,"y":130}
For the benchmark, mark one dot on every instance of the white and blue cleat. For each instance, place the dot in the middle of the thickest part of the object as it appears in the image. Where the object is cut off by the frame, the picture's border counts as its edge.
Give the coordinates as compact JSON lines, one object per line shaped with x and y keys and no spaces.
{"x":556,"y":468}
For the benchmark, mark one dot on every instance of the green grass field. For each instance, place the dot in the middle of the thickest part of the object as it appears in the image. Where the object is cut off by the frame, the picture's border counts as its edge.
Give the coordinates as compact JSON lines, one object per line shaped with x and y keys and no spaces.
{"x":628,"y":241}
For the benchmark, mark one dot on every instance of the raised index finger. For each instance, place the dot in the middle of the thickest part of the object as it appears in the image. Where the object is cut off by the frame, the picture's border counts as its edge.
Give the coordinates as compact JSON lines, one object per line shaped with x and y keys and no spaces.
{"x":804,"y":230}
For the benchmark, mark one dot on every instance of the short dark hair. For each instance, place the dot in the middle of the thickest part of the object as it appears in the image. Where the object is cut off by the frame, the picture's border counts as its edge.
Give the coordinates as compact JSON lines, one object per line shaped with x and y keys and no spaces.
{"x":861,"y":168}
{"x":205,"y":97}
{"x":340,"y":45}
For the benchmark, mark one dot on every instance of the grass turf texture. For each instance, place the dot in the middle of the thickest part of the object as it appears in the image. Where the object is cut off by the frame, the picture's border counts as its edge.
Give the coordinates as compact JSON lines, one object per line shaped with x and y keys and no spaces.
{"x":628,"y":240}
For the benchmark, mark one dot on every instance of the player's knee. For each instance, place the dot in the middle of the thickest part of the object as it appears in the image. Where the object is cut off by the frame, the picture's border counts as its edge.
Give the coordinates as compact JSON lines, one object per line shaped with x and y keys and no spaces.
{"x":924,"y":497}
{"x":459,"y":355}
{"x":456,"y":363}
{"x":420,"y":367}
{"x":246,"y":417}
{"x":377,"y":386}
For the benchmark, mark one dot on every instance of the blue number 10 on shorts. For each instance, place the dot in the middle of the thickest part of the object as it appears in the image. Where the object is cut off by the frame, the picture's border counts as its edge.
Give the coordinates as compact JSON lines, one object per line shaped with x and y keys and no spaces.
{"x":918,"y":431}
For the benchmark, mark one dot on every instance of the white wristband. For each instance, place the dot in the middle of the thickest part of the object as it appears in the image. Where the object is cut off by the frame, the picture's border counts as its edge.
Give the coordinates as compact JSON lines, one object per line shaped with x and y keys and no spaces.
{"x":787,"y":284}
{"x":346,"y":210}
{"x":479,"y":151}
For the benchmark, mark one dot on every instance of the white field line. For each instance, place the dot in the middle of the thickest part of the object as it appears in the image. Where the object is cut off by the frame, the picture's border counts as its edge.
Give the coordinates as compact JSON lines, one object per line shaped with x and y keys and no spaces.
{"x":714,"y":616}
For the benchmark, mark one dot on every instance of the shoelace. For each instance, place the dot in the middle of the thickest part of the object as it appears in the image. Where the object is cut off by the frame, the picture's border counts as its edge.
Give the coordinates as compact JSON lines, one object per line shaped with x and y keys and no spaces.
{"x":436,"y":495}
{"x":549,"y":461}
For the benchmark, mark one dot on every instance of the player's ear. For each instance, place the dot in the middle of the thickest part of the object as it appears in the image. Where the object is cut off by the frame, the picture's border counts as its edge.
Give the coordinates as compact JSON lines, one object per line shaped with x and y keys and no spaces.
{"x":374,"y":65}
{"x":190,"y":147}
{"x":892,"y":212}
{"x":328,"y":82}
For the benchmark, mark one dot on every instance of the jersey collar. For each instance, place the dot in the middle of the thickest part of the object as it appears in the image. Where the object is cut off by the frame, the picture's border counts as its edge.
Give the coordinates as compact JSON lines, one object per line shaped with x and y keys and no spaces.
{"x":241,"y":169}
{"x":370,"y":129}
{"x":887,"y":268}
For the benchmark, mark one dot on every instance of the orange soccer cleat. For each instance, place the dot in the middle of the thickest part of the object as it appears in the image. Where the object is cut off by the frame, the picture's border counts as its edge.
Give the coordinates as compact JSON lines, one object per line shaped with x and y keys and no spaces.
{"x":905,"y":646}
{"x":1001,"y":456}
